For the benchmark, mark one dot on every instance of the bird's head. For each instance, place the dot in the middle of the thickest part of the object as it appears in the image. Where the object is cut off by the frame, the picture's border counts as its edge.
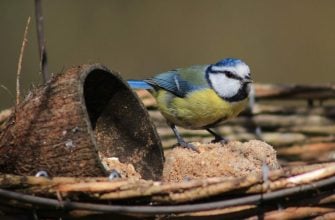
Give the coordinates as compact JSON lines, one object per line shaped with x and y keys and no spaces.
{"x":230,"y":78}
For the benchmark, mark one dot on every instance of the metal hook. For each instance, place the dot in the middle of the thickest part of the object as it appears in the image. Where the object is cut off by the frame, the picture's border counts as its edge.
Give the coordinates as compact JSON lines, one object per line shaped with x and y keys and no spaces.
{"x":42,"y":173}
{"x":114,"y":174}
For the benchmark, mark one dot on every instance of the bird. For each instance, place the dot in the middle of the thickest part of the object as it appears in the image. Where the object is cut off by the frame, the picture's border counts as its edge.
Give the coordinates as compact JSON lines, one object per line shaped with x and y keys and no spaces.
{"x":200,"y":96}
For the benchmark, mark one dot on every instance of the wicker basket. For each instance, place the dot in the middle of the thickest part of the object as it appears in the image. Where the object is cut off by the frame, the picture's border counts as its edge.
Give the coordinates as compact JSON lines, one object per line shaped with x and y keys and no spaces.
{"x":297,"y":120}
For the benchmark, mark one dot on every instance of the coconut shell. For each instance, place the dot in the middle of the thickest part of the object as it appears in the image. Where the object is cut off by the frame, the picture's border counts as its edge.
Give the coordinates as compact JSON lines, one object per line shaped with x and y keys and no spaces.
{"x":64,"y":126}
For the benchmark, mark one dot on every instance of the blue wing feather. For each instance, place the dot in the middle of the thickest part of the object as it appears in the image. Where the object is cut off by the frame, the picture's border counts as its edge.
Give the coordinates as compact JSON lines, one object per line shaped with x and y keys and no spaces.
{"x":139,"y":84}
{"x":172,"y":82}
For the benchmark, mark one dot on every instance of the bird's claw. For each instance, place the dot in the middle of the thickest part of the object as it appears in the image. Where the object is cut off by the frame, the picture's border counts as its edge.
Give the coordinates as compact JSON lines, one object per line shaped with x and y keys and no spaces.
{"x":188,"y":146}
{"x":220,"y":140}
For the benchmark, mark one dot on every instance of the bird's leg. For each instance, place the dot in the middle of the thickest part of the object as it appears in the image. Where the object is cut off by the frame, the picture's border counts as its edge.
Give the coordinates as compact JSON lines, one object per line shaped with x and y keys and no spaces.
{"x":181,"y":141}
{"x":217,"y":137}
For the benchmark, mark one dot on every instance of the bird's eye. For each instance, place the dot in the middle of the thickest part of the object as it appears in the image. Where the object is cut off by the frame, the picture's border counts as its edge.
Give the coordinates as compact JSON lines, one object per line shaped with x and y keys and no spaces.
{"x":229,"y":74}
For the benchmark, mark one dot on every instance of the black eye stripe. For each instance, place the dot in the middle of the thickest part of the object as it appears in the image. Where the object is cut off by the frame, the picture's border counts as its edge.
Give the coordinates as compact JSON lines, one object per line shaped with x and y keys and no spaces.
{"x":231,"y":75}
{"x":226,"y":72}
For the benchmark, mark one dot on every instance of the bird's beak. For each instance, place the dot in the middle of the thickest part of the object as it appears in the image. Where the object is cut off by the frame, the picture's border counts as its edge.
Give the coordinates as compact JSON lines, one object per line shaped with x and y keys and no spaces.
{"x":247,"y":81}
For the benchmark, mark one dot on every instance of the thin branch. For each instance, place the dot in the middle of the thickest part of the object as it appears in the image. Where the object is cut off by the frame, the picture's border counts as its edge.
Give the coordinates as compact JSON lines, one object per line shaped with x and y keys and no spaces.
{"x":4,"y":115}
{"x":41,"y":40}
{"x":19,"y":65}
{"x":8,"y":91}
{"x":305,"y":212}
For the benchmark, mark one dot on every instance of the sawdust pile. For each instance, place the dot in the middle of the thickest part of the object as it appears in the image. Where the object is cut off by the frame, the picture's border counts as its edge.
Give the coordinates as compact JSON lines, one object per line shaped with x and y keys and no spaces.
{"x":125,"y":170}
{"x":235,"y":159}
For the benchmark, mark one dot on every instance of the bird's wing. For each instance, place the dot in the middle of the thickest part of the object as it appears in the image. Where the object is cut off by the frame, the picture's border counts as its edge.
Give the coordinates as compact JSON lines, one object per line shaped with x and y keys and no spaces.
{"x":180,"y":81}
{"x":170,"y":81}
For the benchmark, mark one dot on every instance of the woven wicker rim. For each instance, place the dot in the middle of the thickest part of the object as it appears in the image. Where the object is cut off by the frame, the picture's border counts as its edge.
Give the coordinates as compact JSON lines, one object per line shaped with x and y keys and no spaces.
{"x":245,"y":200}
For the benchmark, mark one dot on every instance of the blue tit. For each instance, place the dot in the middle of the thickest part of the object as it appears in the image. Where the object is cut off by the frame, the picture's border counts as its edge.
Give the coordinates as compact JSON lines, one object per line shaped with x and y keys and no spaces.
{"x":200,"y":96}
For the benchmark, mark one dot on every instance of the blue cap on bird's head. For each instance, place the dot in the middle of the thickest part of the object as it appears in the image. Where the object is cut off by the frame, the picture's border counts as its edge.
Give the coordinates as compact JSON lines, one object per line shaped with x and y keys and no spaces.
{"x":229,"y":62}
{"x":232,"y":65}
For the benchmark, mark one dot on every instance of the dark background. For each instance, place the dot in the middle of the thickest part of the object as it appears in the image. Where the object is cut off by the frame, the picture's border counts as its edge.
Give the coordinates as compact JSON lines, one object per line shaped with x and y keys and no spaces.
{"x":282,"y":41}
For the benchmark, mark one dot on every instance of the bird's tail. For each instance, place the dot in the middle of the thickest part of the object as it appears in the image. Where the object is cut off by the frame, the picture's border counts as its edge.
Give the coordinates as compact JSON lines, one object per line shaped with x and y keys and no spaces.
{"x":139,"y":84}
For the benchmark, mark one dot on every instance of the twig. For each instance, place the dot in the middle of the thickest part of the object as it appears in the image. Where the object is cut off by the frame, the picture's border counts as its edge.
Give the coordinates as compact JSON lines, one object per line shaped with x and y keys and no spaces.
{"x":296,"y":213}
{"x":92,"y":187}
{"x":327,"y":216}
{"x":19,"y":65}
{"x":297,"y":180}
{"x":307,"y":92}
{"x":41,"y":40}
{"x":8,"y":91}
{"x":4,"y":114}
{"x":312,"y":176}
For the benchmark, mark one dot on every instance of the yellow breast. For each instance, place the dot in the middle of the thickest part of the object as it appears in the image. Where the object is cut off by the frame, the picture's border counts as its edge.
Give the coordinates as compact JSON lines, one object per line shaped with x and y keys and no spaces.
{"x":199,"y":109}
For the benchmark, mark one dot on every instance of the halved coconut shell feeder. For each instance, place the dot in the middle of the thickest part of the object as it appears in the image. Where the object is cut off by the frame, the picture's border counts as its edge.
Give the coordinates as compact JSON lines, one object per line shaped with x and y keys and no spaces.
{"x":65,"y":126}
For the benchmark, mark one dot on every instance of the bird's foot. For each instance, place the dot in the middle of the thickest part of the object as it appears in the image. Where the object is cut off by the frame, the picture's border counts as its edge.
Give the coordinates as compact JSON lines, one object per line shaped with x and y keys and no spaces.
{"x":181,"y":141}
{"x":221,"y":140}
{"x":186,"y":145}
{"x":217,"y":138}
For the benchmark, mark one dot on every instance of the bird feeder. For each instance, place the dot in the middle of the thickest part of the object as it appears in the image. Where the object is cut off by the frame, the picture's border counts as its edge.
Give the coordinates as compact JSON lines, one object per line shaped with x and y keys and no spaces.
{"x":64,"y":126}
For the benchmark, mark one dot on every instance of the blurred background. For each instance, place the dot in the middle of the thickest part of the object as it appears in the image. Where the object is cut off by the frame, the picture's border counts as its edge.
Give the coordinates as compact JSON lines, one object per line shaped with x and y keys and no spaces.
{"x":282,"y":41}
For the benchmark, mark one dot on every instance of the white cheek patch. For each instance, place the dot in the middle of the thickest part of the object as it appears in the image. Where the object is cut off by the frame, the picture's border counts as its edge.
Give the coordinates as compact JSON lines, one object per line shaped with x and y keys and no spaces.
{"x":224,"y":86}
